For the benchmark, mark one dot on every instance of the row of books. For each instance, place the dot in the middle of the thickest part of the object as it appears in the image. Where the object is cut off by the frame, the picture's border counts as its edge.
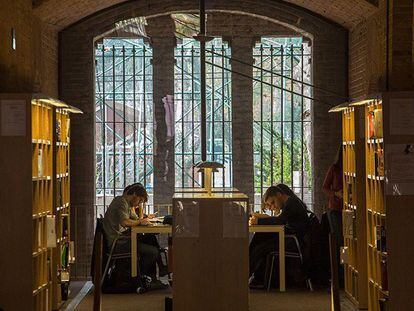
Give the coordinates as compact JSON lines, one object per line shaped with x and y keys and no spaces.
{"x":354,"y":280}
{"x":59,"y":133}
{"x":349,"y":223}
{"x":349,"y":193}
{"x":379,"y":162}
{"x":375,"y":129}
{"x":381,"y":238}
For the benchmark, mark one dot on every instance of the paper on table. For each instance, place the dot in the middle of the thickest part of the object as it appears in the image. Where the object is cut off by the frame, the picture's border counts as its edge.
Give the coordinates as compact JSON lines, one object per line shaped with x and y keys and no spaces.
{"x":156,"y":219}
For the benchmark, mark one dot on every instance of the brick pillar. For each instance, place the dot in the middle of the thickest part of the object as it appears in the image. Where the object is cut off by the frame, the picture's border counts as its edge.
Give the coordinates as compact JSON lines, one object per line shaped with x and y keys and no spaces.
{"x":77,"y":55}
{"x":161,"y":32}
{"x":329,"y":73}
{"x":242,"y":114}
{"x":401,"y":45}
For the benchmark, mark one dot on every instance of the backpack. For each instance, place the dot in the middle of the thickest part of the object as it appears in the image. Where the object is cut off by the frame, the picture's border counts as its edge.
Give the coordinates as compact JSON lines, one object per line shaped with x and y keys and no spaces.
{"x":312,"y":250}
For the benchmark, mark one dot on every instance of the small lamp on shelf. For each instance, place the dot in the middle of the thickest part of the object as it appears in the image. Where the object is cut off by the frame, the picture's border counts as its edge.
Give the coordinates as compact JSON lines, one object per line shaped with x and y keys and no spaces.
{"x":208,"y":168}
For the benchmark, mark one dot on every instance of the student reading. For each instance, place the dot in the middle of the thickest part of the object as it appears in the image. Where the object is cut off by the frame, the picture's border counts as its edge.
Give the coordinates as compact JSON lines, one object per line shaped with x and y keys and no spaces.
{"x":293,"y":214}
{"x":119,"y":217}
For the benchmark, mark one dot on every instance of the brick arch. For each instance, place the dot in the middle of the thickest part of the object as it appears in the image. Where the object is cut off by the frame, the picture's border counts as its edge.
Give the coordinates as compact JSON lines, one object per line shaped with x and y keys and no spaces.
{"x":76,"y":81}
{"x":64,"y":13}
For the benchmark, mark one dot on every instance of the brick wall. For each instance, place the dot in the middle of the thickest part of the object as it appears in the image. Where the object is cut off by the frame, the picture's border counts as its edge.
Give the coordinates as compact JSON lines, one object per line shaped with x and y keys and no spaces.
{"x":32,"y":67}
{"x":63,"y":13}
{"x":77,"y":85}
{"x":367,"y":54}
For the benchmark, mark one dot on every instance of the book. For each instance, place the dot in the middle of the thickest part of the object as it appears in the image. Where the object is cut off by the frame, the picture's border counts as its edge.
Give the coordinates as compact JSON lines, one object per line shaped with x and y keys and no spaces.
{"x":65,"y":227}
{"x":58,"y":130}
{"x":348,"y":223}
{"x":380,"y":162}
{"x":371,"y":127}
{"x":59,"y":200}
{"x":67,"y":130}
{"x":383,"y":239}
{"x":349,"y":193}
{"x":378,"y":129}
{"x":71,"y":252}
{"x":378,"y":237}
{"x":51,"y":231}
{"x":40,"y":163}
{"x":384,"y":274}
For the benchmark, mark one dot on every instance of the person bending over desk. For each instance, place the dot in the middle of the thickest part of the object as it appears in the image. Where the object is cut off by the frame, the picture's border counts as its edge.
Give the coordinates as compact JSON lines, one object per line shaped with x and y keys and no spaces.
{"x":292,"y":213}
{"x":120,"y":216}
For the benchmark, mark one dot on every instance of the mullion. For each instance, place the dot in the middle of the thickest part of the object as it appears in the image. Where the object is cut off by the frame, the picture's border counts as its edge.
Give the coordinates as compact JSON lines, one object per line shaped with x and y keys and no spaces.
{"x":302,"y":124}
{"x":281,"y":115}
{"x":213,"y":143}
{"x":192,"y":115}
{"x":113,"y":119}
{"x":271,"y":115}
{"x":182,"y":123}
{"x":135,"y":109}
{"x":123,"y":109}
{"x":223,"y":117}
{"x":261,"y":120}
{"x":291,"y":117}
{"x":103,"y":127}
{"x":145,"y":115}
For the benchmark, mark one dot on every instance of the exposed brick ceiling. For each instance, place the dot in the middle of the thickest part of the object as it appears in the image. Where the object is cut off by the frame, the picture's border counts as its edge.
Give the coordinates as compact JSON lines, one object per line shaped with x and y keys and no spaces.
{"x":63,"y":13}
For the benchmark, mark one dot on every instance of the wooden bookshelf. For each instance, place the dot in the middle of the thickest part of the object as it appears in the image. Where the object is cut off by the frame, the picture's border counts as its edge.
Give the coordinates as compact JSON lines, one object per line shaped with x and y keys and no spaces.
{"x":389,"y":195}
{"x":376,"y":213}
{"x":354,"y":211}
{"x":62,"y":256}
{"x":32,"y":161}
{"x":42,"y":193}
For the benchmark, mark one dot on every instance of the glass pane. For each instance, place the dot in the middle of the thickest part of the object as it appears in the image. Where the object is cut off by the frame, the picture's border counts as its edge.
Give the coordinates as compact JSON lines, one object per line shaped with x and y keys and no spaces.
{"x":282,"y":150}
{"x":124,"y":134}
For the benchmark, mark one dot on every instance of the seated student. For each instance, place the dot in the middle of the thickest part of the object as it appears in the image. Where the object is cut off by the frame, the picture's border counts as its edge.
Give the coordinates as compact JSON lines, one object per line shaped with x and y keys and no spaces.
{"x":120,"y":216}
{"x":293,"y":214}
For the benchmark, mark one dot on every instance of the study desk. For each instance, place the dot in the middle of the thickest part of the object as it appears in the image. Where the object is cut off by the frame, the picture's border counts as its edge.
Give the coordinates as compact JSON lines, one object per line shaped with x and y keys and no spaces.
{"x":167,"y":229}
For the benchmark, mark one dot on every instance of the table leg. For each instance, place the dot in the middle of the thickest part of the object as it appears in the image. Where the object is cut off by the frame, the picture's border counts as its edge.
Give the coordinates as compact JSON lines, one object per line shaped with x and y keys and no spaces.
{"x":133,"y":254}
{"x":282,"y":270}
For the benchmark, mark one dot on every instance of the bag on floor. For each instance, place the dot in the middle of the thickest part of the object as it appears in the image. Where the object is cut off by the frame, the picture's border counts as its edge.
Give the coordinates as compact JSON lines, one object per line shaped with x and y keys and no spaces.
{"x":119,"y":280}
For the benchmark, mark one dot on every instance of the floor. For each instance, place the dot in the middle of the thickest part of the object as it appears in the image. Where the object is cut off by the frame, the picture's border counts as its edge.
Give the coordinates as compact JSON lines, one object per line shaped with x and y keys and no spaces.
{"x":292,"y":300}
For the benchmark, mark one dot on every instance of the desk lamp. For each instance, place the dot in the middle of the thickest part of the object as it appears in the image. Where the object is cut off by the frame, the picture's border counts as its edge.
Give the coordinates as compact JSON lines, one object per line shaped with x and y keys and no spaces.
{"x":208,"y":168}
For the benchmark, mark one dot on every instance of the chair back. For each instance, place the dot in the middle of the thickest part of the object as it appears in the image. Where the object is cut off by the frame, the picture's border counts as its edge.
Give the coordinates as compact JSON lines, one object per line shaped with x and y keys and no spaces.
{"x":96,"y":265}
{"x":98,"y":245}
{"x":311,"y":251}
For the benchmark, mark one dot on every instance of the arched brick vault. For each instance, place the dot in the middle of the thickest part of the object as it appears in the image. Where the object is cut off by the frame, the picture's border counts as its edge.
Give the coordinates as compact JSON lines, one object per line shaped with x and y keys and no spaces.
{"x":329,"y":42}
{"x":63,"y":13}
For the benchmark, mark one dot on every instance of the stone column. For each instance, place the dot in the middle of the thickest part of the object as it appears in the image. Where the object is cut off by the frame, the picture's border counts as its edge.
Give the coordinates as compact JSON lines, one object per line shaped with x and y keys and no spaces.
{"x":242,"y":115}
{"x":161,"y":32}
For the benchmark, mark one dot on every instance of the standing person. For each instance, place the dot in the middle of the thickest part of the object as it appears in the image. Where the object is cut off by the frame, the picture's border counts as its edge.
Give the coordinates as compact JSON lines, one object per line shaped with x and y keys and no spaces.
{"x":333,"y":188}
{"x":293,"y":214}
{"x":119,"y":217}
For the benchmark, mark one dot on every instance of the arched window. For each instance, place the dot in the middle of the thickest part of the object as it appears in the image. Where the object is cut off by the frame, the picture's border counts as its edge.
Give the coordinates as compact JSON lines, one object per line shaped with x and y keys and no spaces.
{"x":188,"y":113}
{"x":282,"y":124}
{"x":124,"y":117}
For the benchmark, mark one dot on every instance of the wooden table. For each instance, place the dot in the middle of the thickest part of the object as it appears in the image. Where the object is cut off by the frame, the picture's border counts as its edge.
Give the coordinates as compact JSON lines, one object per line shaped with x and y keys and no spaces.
{"x":281,"y":230}
{"x":167,"y":229}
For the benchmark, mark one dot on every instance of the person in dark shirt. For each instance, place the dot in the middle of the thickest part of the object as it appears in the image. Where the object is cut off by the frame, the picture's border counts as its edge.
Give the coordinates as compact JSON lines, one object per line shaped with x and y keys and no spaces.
{"x":119,"y":217}
{"x":292,"y":213}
